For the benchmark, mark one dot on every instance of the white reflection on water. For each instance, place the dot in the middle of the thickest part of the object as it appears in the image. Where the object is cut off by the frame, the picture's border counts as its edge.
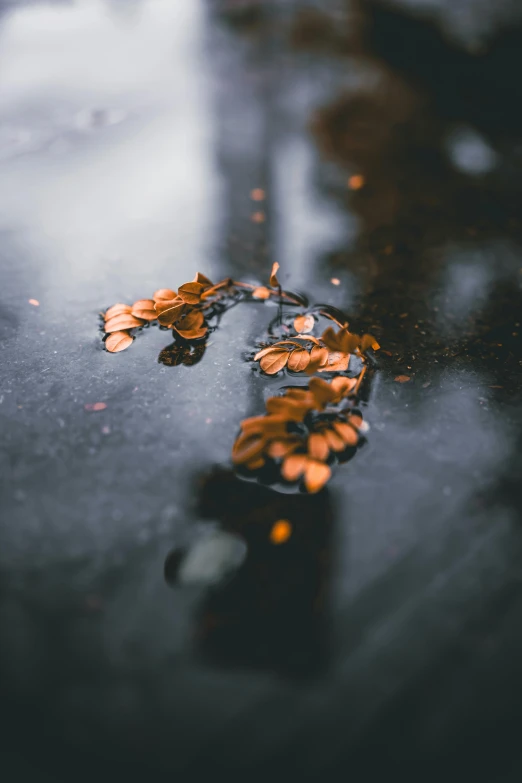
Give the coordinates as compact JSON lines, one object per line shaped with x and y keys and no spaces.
{"x":107,"y":145}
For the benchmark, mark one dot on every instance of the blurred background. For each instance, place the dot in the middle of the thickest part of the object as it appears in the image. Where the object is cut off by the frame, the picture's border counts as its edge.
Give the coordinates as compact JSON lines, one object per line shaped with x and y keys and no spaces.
{"x":149,"y":622}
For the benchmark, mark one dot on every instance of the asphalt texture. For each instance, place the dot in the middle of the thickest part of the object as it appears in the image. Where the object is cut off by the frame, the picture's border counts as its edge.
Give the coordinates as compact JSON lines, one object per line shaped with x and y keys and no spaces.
{"x":384,"y":638}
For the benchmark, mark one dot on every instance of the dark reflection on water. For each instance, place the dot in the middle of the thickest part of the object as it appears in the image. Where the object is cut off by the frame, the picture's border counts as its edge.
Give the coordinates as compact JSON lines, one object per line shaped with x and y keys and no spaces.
{"x":272,"y":613}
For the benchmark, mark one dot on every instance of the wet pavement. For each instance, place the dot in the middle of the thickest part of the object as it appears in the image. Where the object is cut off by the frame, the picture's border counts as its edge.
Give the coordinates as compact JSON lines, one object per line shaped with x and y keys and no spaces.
{"x":384,"y":636}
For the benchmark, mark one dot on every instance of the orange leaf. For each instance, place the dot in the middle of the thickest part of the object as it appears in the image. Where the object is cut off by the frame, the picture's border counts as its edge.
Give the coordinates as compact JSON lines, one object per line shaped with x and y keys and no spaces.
{"x":274,"y":282}
{"x":192,"y":334}
{"x":304,"y":323}
{"x":357,"y":422}
{"x":192,"y":320}
{"x":403,"y":378}
{"x":261,"y":292}
{"x":346,"y":432}
{"x":169,"y":310}
{"x":246,"y":448}
{"x":190,"y":292}
{"x":118,"y":341}
{"x":322,"y":392}
{"x":122,"y":322}
{"x":271,"y":426}
{"x":256,"y":463}
{"x":117,"y":309}
{"x":293,"y":410}
{"x":264,"y":352}
{"x":273,"y":362}
{"x":317,"y":475}
{"x":335,"y":442}
{"x":281,"y":448}
{"x":337,"y":362}
{"x":199,"y":278}
{"x":294,"y":466}
{"x":343,"y":385}
{"x":318,"y":358}
{"x":367,"y":341}
{"x":298,"y":360}
{"x":163,"y":294}
{"x":144,"y":308}
{"x":318,"y":446}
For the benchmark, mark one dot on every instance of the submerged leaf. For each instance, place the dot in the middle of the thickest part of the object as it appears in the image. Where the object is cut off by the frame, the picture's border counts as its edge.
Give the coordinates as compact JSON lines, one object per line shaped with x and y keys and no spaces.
{"x":304,"y":323}
{"x":261,"y":292}
{"x":118,"y":341}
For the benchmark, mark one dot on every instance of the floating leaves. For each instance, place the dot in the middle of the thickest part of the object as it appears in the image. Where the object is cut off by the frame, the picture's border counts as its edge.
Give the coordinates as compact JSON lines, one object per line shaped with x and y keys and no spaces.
{"x":402,"y":379}
{"x":303,"y":432}
{"x":118,"y":341}
{"x":330,"y":353}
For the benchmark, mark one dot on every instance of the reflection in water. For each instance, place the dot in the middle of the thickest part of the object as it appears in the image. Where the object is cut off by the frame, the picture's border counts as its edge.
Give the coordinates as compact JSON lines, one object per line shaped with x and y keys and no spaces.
{"x":273,"y":611}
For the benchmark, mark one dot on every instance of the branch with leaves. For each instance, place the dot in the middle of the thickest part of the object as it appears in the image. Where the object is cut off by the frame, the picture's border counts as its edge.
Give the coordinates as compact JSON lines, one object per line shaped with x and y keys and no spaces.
{"x":305,"y":430}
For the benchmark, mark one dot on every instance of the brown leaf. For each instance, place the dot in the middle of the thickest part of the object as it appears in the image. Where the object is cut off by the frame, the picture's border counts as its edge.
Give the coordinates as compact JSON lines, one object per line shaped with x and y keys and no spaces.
{"x":256,"y":463}
{"x":304,"y":323}
{"x":192,"y":334}
{"x":118,"y":341}
{"x":274,"y":282}
{"x":278,"y":449}
{"x":144,"y":308}
{"x":193,"y":320}
{"x":273,"y":362}
{"x":169,"y":310}
{"x":273,"y":426}
{"x":318,"y":358}
{"x":343,"y":385}
{"x":294,"y":466}
{"x":292,"y":410}
{"x":357,"y":421}
{"x":199,"y":278}
{"x":318,"y":446}
{"x":346,"y":432}
{"x":335,"y":441}
{"x":246,"y":448}
{"x":261,"y":292}
{"x":298,"y":360}
{"x":117,"y":309}
{"x":264,"y":351}
{"x":190,"y":292}
{"x":317,"y":475}
{"x":322,"y":391}
{"x":164,"y":294}
{"x":333,"y":339}
{"x":368,"y":341}
{"x":122,"y":322}
{"x":402,"y":379}
{"x":337,"y":362}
